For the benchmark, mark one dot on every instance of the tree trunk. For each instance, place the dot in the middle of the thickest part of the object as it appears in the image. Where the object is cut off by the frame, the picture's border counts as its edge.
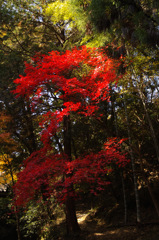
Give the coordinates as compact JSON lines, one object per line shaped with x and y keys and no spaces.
{"x":148,"y":185}
{"x":156,"y":145}
{"x":122,"y":177}
{"x":124,"y":198}
{"x":15,"y":207}
{"x":133,"y":168}
{"x":17,"y":223}
{"x":71,"y":218}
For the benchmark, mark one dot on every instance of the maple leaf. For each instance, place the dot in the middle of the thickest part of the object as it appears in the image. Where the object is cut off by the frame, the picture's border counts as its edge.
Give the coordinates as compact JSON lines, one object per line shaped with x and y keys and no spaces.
{"x":71,"y":83}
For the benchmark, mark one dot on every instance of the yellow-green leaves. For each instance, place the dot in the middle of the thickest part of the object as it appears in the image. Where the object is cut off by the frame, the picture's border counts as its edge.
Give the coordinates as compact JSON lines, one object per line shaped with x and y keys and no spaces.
{"x":7,"y":175}
{"x":70,"y":11}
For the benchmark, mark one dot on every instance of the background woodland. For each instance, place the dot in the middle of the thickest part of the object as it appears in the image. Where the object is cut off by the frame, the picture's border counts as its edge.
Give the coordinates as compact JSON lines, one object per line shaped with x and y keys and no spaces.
{"x":127,"y":31}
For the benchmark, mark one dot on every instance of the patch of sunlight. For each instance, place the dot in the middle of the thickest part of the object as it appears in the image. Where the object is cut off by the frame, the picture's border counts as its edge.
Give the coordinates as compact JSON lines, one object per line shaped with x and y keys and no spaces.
{"x":98,"y":234}
{"x":81,"y":217}
{"x":112,"y":231}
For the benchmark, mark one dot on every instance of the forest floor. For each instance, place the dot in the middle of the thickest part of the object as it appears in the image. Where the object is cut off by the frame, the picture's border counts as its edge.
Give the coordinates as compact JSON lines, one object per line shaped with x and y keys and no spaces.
{"x":94,"y":228}
{"x":102,"y":218}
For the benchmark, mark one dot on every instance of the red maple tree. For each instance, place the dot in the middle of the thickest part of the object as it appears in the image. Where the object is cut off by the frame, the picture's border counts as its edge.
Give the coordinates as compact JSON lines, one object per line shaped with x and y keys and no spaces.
{"x":63,"y":86}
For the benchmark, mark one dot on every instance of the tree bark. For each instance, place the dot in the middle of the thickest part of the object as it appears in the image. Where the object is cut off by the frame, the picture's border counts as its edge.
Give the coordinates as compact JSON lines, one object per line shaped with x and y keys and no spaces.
{"x":122,"y":177}
{"x":71,"y":218}
{"x":156,"y":145}
{"x":15,"y":207}
{"x":124,"y":198}
{"x":133,"y":168}
{"x":154,"y":200}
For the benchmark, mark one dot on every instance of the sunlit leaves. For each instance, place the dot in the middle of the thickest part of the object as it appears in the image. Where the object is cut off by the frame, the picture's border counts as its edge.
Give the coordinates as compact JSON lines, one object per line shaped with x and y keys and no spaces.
{"x":59,"y":76}
{"x":55,"y":173}
{"x":70,"y":12}
{"x":72,"y":84}
{"x":7,"y":174}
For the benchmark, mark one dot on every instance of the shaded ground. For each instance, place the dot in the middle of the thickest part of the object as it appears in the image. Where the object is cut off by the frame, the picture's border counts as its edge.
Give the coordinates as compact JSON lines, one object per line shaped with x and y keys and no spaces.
{"x":95,"y":229}
{"x":124,"y":233}
{"x":107,"y":223}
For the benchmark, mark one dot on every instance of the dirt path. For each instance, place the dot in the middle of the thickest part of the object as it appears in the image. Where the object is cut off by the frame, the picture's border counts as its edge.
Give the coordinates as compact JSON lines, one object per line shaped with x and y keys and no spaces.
{"x":95,"y":229}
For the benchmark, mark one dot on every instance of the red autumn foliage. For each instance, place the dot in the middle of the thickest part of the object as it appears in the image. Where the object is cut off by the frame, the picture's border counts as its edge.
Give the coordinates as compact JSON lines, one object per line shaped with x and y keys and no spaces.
{"x":57,"y":174}
{"x":74,"y":82}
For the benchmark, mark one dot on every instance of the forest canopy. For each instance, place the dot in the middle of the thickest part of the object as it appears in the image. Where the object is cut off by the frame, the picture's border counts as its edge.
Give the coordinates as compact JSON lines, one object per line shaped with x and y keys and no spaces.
{"x":78,"y":113}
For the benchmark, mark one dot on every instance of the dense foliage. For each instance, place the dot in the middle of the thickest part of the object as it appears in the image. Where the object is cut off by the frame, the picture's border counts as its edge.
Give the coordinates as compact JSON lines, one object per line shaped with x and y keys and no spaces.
{"x":54,"y":83}
{"x":73,"y":106}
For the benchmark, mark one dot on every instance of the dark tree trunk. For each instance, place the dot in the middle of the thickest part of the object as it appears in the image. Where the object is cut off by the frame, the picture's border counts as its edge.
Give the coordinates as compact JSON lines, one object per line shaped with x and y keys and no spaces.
{"x":153,"y":197}
{"x":138,"y":218}
{"x":152,"y":131}
{"x":71,"y":218}
{"x":125,"y":200}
